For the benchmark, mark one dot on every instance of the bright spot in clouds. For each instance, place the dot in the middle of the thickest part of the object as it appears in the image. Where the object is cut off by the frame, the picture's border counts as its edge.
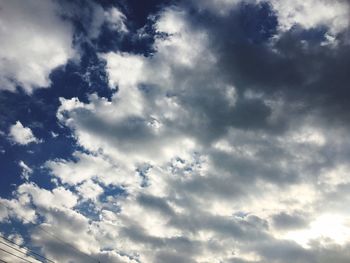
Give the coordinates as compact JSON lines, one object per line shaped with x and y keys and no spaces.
{"x":328,"y":226}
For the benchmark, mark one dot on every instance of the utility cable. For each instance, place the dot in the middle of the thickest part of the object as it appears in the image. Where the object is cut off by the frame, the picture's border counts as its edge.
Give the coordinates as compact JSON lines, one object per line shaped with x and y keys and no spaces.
{"x":26,"y":249}
{"x":26,"y":260}
{"x":55,"y":237}
{"x":18,"y":250}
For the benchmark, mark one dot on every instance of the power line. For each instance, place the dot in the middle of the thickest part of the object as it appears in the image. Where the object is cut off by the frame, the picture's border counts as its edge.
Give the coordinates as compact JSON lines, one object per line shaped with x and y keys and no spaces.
{"x":67,"y":244}
{"x":55,"y":237}
{"x":26,"y":249}
{"x":26,"y":260}
{"x":18,"y":250}
{"x":3,"y":261}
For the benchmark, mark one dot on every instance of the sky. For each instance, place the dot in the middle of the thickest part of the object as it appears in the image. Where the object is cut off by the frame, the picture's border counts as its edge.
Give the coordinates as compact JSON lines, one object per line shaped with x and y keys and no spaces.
{"x":175,"y":131}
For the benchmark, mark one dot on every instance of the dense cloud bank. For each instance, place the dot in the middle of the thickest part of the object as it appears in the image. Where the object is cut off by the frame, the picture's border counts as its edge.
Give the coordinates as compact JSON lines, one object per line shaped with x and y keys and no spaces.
{"x":222,"y":139}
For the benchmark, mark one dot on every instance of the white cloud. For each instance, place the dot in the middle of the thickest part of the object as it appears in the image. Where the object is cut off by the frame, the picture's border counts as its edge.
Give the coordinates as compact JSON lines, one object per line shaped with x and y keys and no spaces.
{"x":22,"y":135}
{"x":89,"y":167}
{"x":94,"y":16}
{"x":3,"y":213}
{"x":311,"y":14}
{"x":307,"y":14}
{"x":18,"y":208}
{"x":26,"y":170}
{"x":116,"y":19}
{"x":90,"y":190}
{"x":34,"y":41}
{"x":57,"y":198}
{"x":130,"y":68}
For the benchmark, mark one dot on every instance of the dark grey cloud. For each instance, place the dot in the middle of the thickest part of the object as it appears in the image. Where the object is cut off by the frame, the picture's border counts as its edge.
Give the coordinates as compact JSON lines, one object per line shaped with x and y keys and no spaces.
{"x":286,"y":221}
{"x":238,"y":260}
{"x":248,"y":229}
{"x":172,"y":258}
{"x":296,"y":65}
{"x":155,"y":203}
{"x":285,"y":251}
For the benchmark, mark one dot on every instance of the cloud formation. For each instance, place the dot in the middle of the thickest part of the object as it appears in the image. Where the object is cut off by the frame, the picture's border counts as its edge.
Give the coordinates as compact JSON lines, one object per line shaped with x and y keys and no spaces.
{"x":223,"y":145}
{"x":22,"y":135}
{"x":35,"y":40}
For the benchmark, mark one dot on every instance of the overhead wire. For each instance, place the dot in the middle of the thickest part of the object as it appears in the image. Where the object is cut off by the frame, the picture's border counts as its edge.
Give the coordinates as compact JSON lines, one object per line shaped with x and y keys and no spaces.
{"x":20,"y":251}
{"x":26,"y":249}
{"x":12,"y":254}
{"x":57,"y":238}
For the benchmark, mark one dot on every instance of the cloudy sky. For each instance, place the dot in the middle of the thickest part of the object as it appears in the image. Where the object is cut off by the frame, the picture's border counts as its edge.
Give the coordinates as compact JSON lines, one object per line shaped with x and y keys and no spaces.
{"x":170,"y":131}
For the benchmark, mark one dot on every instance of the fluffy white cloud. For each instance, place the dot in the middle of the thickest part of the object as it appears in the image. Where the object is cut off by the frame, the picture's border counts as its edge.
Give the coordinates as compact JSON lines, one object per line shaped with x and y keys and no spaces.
{"x":18,"y":208}
{"x":116,"y":19}
{"x":22,"y":135}
{"x":307,"y":14}
{"x":311,"y":14}
{"x":57,"y":198}
{"x":34,"y":41}
{"x":26,"y":170}
{"x":90,"y":190}
{"x":94,"y":16}
{"x":97,"y":167}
